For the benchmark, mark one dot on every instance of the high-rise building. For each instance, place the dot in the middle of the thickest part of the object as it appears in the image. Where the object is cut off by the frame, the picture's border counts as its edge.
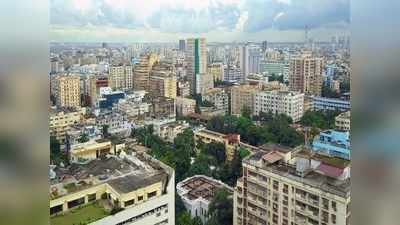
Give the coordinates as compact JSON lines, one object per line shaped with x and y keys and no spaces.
{"x":242,"y":96}
{"x":292,"y":186}
{"x":244,"y":61}
{"x":264,"y":46}
{"x":66,"y":90}
{"x":196,"y":60}
{"x":121,"y":77}
{"x":142,"y":71}
{"x":305,"y":75}
{"x":255,"y":56}
{"x":280,"y":102}
{"x":182,"y":45}
{"x":232,"y":73}
{"x":163,"y":80}
{"x":216,"y":70}
{"x":218,"y":97}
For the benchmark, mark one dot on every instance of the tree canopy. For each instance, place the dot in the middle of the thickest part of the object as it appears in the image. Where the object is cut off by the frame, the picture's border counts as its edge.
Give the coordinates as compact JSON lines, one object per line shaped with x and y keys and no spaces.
{"x":220,"y":209}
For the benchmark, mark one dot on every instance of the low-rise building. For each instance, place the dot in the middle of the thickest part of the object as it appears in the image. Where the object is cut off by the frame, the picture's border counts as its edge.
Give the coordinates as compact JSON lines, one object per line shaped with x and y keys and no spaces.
{"x":292,"y":187}
{"x":197,"y":192}
{"x":242,"y":96}
{"x":92,"y":149}
{"x":342,"y":121}
{"x":162,"y":107}
{"x":333,"y":142}
{"x":116,"y":122}
{"x":320,"y":103}
{"x":230,"y":141}
{"x":127,"y":189}
{"x":218,"y":97}
{"x":169,"y":131}
{"x":60,"y":122}
{"x":185,"y":106}
{"x":280,"y":102}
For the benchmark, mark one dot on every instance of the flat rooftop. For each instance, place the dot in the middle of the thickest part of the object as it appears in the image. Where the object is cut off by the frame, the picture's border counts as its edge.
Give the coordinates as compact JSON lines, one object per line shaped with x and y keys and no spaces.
{"x":125,"y":174}
{"x":201,"y":187}
{"x":312,"y":178}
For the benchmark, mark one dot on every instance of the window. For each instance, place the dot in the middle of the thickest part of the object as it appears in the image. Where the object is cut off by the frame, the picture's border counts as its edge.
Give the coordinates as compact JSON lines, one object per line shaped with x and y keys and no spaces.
{"x":130,"y":202}
{"x":151,"y":194}
{"x":333,"y":218}
{"x":92,"y":197}
{"x":140,"y":198}
{"x":334,"y":206}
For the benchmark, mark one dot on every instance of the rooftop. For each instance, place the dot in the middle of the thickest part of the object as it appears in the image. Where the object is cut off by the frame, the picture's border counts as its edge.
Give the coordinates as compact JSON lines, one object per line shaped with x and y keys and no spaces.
{"x":313,"y":178}
{"x":124,"y":173}
{"x":200,"y":186}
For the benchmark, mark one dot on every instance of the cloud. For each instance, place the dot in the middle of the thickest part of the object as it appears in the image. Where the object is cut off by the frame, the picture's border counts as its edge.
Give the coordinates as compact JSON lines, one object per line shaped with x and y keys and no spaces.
{"x":200,"y":16}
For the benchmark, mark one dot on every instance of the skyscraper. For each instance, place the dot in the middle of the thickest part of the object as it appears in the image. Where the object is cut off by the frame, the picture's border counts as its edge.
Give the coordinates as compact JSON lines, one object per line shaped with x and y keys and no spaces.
{"x":264,"y":46}
{"x":142,"y":71}
{"x":182,"y":45}
{"x":196,"y":60}
{"x":305,"y":75}
{"x":244,"y":61}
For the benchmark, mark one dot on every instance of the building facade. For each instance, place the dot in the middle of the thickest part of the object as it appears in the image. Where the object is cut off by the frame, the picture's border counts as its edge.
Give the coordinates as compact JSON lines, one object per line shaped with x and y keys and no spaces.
{"x":333,"y":142}
{"x":61,"y":121}
{"x":242,"y":96}
{"x":286,"y":187}
{"x":196,"y":61}
{"x":67,"y":91}
{"x":280,"y":102}
{"x":305,"y":75}
{"x":121,"y":77}
{"x":230,"y":141}
{"x":342,"y":121}
{"x":216,"y":70}
{"x":141,"y":79}
{"x":185,"y":106}
{"x":218,"y":97}
{"x":320,"y":103}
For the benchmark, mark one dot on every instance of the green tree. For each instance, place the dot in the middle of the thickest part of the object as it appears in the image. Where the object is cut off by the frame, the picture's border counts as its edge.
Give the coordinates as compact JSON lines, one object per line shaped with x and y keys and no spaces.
{"x":246,"y":112}
{"x":185,"y":219}
{"x":83,"y":138}
{"x":221,"y":208}
{"x":104,"y":130}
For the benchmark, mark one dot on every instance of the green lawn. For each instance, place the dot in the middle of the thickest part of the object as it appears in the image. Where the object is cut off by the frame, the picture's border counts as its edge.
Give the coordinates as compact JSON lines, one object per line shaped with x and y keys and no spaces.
{"x":84,"y":215}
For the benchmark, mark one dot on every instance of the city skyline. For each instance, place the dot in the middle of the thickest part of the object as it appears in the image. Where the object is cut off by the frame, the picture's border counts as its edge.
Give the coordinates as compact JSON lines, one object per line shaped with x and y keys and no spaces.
{"x":216,"y":20}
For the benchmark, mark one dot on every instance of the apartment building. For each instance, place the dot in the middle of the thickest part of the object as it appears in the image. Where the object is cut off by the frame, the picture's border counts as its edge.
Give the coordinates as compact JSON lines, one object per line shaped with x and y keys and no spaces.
{"x":121,"y":77}
{"x":321,"y":103}
{"x":66,"y":89}
{"x":117,"y":123}
{"x":216,"y":70}
{"x":305,"y":75}
{"x":242,"y":96}
{"x":163,"y":85}
{"x":292,"y":187}
{"x":196,"y":60}
{"x":281,"y":102}
{"x":127,"y":189}
{"x":333,"y":142}
{"x":218,"y":97}
{"x":169,"y":131}
{"x":230,"y":141}
{"x":60,"y":122}
{"x":142,"y":71}
{"x":185,"y":106}
{"x":342,"y":121}
{"x":197,"y":192}
{"x":92,"y":149}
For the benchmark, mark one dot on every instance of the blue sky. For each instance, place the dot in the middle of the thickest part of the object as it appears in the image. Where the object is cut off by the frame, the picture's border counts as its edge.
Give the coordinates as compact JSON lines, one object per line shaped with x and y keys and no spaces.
{"x":217,"y":20}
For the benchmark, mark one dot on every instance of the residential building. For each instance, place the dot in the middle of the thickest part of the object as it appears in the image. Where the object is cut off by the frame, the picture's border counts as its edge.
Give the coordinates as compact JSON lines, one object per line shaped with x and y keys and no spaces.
{"x":162,"y":107}
{"x":255,"y":56}
{"x":334,"y":143}
{"x":116,"y":122}
{"x":233,"y":73}
{"x":286,"y":187}
{"x":163,"y":83}
{"x":269,"y":67}
{"x":244,"y":61}
{"x":92,"y":149}
{"x":108,"y":97}
{"x":218,"y":97}
{"x":126,"y":189}
{"x":185,"y":106}
{"x":60,"y":122}
{"x":321,"y":103}
{"x":305,"y":75}
{"x":216,"y":70}
{"x":182,"y":45}
{"x":66,"y":90}
{"x":169,"y":131}
{"x":197,"y":193}
{"x":133,"y":109}
{"x":121,"y":77}
{"x":242,"y":96}
{"x":141,"y":79}
{"x":77,"y":131}
{"x":230,"y":141}
{"x":280,"y":102}
{"x":342,"y":121}
{"x":183,"y":89}
{"x":196,"y":60}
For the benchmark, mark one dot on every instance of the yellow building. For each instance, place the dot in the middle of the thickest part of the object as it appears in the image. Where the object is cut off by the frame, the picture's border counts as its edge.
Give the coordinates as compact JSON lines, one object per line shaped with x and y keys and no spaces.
{"x":60,"y":122}
{"x":66,"y":89}
{"x":121,"y":77}
{"x":230,"y":141}
{"x":243,"y":96}
{"x":141,"y":80}
{"x":163,"y":85}
{"x":126,"y":189}
{"x":292,"y":186}
{"x":92,"y":149}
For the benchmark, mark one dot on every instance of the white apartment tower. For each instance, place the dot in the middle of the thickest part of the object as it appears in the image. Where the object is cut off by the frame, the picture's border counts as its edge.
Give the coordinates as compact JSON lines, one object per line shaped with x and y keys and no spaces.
{"x":121,"y":77}
{"x":282,"y":102}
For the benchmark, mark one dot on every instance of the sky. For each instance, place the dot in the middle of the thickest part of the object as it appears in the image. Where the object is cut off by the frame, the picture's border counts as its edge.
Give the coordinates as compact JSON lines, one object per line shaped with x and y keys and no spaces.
{"x":216,"y":20}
